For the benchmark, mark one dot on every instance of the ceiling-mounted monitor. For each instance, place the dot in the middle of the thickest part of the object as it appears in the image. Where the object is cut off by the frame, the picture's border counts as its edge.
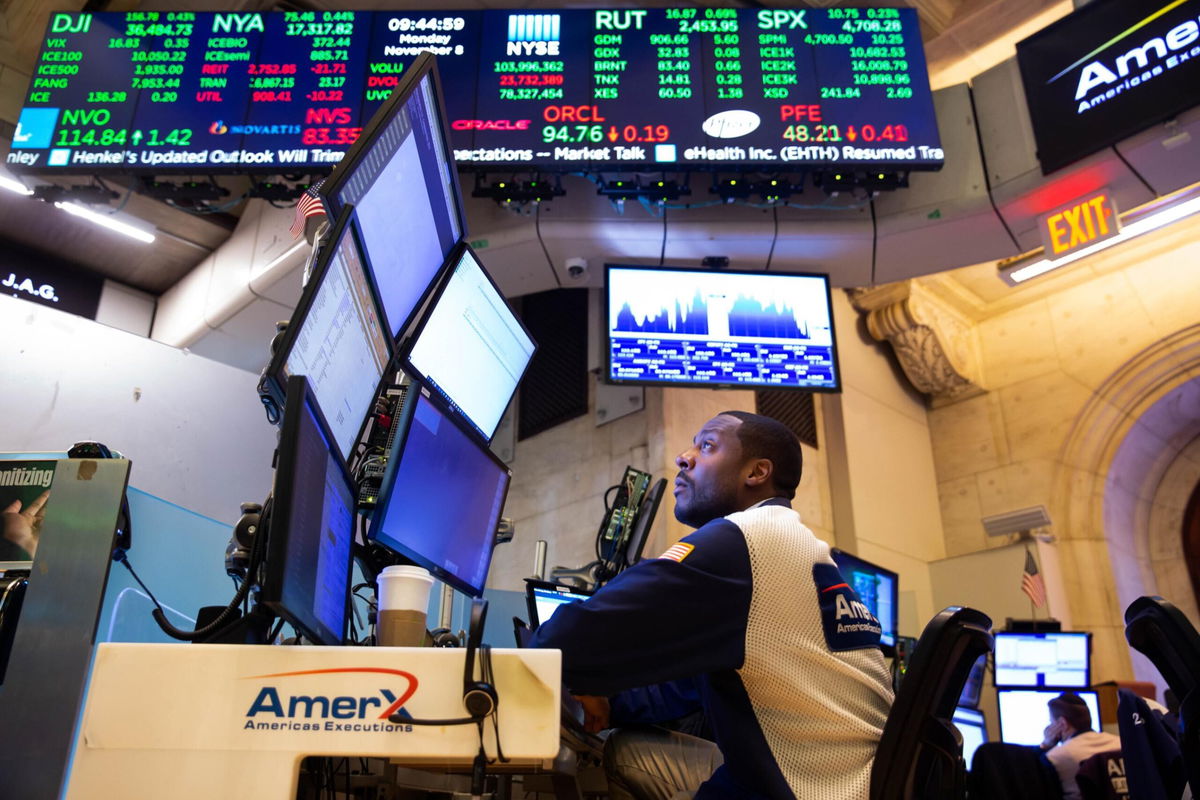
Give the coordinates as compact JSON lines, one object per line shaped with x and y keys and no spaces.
{"x":1104,"y":72}
{"x":703,"y":328}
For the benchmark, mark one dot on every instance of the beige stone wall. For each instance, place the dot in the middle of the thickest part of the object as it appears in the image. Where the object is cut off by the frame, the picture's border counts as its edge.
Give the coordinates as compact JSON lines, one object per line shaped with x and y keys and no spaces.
{"x":883,"y":482}
{"x":1070,"y":366}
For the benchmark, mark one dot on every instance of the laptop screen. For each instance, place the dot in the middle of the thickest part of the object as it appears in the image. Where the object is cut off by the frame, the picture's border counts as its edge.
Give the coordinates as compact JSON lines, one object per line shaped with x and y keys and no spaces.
{"x":543,"y":599}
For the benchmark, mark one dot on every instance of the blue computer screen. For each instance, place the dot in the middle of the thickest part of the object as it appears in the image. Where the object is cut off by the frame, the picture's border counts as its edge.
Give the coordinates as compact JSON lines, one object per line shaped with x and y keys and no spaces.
{"x":443,"y":499}
{"x":308,"y":563}
{"x":401,"y":179}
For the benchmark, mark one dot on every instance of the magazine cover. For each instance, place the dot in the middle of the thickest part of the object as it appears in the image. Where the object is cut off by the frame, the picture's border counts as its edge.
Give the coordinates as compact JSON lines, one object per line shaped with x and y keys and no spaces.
{"x":24,"y":492}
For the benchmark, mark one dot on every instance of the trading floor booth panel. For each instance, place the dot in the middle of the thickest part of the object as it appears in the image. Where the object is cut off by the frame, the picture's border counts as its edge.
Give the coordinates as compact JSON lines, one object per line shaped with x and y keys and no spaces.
{"x":52,"y":648}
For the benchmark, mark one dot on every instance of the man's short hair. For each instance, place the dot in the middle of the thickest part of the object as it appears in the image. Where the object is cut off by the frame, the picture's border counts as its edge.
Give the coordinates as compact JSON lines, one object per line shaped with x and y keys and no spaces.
{"x":764,"y":437}
{"x":1071,"y":707}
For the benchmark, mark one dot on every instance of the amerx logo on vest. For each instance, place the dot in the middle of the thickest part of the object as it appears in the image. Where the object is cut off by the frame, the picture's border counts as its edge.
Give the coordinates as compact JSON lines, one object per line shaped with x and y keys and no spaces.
{"x":848,"y":623}
{"x":274,"y":708}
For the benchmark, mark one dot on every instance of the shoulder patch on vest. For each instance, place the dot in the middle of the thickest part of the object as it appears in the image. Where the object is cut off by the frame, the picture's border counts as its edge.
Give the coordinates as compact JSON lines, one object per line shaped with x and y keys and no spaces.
{"x":848,"y":623}
{"x":678,"y":551}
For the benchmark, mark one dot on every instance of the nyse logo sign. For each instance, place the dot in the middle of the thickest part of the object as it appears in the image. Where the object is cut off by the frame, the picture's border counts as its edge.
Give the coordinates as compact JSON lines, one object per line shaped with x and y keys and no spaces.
{"x":1079,"y":224}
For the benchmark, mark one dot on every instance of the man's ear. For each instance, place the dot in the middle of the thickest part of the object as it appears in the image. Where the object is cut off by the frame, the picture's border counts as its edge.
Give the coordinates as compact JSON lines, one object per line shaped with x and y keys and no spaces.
{"x":759,"y":472}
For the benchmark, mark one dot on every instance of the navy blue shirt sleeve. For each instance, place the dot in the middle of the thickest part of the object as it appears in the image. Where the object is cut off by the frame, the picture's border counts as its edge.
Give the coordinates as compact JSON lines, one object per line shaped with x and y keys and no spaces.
{"x":661,"y":620}
{"x":651,"y":705}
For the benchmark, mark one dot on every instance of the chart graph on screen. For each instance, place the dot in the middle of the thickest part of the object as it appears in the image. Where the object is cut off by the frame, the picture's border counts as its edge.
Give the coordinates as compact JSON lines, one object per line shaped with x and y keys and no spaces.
{"x":701,"y":327}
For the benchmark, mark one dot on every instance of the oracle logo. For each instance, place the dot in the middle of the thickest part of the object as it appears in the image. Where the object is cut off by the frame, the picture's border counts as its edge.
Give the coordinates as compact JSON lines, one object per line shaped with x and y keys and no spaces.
{"x":491,"y":124}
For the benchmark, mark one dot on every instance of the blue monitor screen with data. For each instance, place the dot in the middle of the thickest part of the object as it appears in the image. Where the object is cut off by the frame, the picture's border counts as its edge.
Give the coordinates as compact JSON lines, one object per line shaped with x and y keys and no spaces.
{"x":704,"y":328}
{"x":400,"y":176}
{"x":471,"y":348}
{"x":442,"y":497}
{"x":1043,"y":659}
{"x":336,"y":337}
{"x":312,"y":528}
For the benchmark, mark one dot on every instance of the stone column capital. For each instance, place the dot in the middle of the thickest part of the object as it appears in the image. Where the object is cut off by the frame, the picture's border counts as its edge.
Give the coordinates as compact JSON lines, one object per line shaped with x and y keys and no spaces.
{"x":937,"y":347}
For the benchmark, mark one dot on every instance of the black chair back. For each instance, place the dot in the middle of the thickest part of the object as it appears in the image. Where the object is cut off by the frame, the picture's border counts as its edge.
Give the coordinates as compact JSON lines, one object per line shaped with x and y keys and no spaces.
{"x":1003,"y":771}
{"x":1160,"y":631}
{"x":920,"y":753}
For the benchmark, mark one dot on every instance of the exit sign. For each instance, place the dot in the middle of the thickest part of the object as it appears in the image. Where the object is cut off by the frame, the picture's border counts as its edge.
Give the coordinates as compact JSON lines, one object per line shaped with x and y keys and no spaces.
{"x":1078,"y":224}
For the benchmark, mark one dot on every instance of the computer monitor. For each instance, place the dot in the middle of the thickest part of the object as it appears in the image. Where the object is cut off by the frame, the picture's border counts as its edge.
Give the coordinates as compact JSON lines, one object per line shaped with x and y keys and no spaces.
{"x":641,"y":526}
{"x":973,"y":688}
{"x":307,"y":579}
{"x":972,"y":728}
{"x":470,"y":346}
{"x":875,"y":586}
{"x":1024,"y":714}
{"x":336,"y":337}
{"x":1043,"y":659}
{"x":543,"y":598}
{"x":400,"y":174}
{"x":442,"y":496}
{"x":704,"y":328}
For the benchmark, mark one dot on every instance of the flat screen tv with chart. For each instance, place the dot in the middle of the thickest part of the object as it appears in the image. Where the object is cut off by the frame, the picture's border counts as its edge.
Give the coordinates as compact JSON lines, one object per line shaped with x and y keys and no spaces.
{"x":336,"y":337}
{"x":400,"y":175}
{"x":470,"y":346}
{"x":312,"y":524}
{"x":442,"y":496}
{"x":702,"y":328}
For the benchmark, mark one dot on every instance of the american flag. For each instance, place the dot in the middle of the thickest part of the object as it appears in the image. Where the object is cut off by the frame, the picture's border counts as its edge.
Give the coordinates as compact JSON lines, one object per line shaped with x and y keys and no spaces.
{"x":309,"y":205}
{"x":678,"y":551}
{"x":1031,"y":581}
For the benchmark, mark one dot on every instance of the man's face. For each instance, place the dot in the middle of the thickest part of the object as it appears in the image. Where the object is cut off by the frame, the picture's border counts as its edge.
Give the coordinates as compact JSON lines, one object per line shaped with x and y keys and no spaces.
{"x":710,"y":473}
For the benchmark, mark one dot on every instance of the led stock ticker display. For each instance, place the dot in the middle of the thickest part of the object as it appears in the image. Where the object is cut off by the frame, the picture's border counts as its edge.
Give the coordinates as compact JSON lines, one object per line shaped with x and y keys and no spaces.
{"x":673,"y":88}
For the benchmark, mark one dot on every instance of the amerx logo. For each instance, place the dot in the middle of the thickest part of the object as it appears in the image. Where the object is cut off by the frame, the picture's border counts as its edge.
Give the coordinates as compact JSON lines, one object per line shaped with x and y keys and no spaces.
{"x":273,"y":710}
{"x":1138,"y":64}
{"x":533,"y":34}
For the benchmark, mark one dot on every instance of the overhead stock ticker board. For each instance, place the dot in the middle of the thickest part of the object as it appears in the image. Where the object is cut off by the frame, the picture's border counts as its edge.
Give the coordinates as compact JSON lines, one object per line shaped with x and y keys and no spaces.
{"x":667,"y":88}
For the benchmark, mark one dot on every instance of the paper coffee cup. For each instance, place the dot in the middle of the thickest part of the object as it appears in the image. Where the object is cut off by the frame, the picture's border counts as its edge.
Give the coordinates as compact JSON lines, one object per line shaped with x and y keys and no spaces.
{"x":402,"y":592}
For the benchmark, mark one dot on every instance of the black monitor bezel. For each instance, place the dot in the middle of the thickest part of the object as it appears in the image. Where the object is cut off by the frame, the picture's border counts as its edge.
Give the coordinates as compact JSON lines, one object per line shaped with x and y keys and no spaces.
{"x":271,"y":589}
{"x":276,"y":381}
{"x":409,"y":83}
{"x":998,"y":635}
{"x":837,"y":366}
{"x":405,"y":350}
{"x":533,"y":584}
{"x":835,"y":552}
{"x":387,"y":486}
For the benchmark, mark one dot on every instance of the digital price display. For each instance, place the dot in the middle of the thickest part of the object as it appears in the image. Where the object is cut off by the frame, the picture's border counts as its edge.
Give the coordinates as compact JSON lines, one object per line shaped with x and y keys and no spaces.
{"x":581,"y":89}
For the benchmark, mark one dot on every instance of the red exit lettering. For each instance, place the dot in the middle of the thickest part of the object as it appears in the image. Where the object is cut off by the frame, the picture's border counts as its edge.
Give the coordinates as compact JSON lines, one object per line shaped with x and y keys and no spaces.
{"x":214,"y":69}
{"x":811,"y":113}
{"x":327,"y":116}
{"x":572,"y":114}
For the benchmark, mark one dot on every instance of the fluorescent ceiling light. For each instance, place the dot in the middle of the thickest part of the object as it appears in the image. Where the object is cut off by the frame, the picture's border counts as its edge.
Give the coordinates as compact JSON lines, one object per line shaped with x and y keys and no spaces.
{"x":107,"y":221}
{"x":1142,"y":221}
{"x":14,"y":185}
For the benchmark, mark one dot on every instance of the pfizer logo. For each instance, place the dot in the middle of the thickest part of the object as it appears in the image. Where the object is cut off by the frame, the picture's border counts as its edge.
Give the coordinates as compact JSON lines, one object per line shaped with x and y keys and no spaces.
{"x":731,"y":124}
